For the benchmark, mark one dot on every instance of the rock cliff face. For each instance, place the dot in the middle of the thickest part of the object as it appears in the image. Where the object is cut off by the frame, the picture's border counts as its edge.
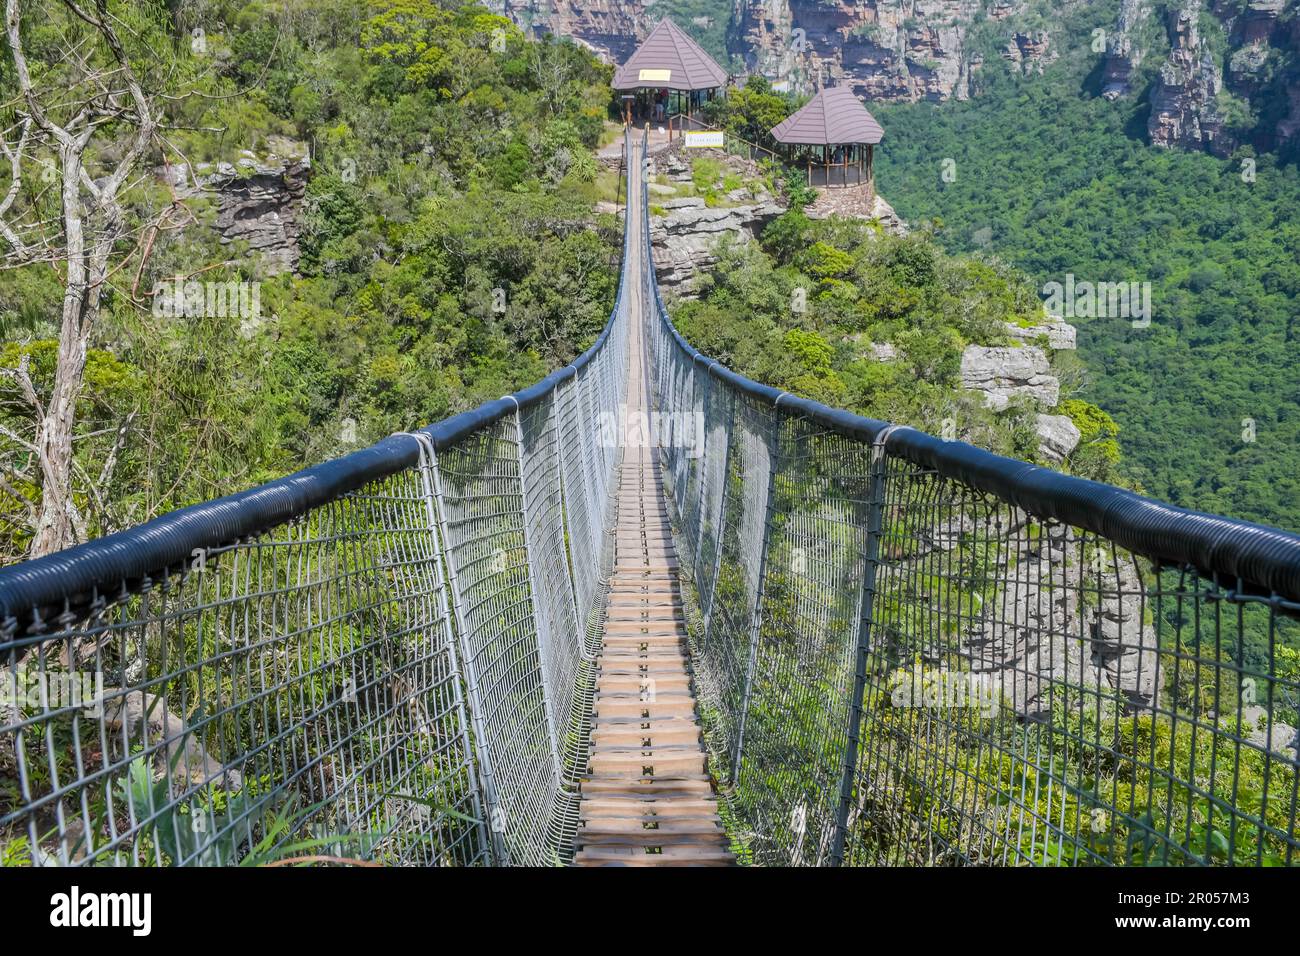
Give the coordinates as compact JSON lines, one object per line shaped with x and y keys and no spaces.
{"x":1043,"y":636}
{"x":1070,"y":615}
{"x":1232,"y":72}
{"x":1206,"y":64}
{"x":884,"y":49}
{"x":1183,"y":99}
{"x":612,"y":28}
{"x":685,"y":237}
{"x":1030,"y":52}
{"x":685,"y":230}
{"x":259,"y":200}
{"x":1123,"y":51}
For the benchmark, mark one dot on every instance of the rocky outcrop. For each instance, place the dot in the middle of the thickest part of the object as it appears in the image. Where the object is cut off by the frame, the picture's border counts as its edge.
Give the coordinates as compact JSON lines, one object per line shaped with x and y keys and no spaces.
{"x":1058,"y":437}
{"x":1269,"y":734}
{"x":1039,"y":633}
{"x":1029,"y":52}
{"x":882,"y":351}
{"x":1183,"y":111}
{"x":856,"y":202}
{"x":259,"y":200}
{"x":1018,"y":374}
{"x":685,"y":238}
{"x":684,"y":230}
{"x":1123,"y":51}
{"x":1055,"y":331}
{"x":1005,"y":373}
{"x":1040,"y":636}
{"x":136,"y":715}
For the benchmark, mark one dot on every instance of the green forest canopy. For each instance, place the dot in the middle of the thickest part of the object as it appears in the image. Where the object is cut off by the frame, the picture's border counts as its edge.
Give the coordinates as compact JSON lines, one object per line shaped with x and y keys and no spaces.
{"x":451,"y":158}
{"x":1059,"y":181}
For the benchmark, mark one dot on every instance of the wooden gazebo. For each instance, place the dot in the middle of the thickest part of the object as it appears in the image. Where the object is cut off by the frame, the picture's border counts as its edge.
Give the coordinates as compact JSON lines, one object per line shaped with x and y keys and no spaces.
{"x":834,"y":138}
{"x":669,"y":76}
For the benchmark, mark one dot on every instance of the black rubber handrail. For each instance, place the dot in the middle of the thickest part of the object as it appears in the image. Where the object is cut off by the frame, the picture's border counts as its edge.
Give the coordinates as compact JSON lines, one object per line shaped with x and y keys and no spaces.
{"x":1261,"y":559}
{"x":69,"y":580}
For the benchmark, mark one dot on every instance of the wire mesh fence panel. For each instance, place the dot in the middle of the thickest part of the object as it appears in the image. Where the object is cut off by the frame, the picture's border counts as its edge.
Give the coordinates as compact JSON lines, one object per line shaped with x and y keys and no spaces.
{"x":480,"y":499}
{"x":569,"y":677}
{"x":1037,"y":695}
{"x":709,"y":437}
{"x":726,"y":642}
{"x":559,"y":638}
{"x":684,"y":475}
{"x":292,"y":694}
{"x":903,"y":662}
{"x":792,"y":752}
{"x":578,"y":494}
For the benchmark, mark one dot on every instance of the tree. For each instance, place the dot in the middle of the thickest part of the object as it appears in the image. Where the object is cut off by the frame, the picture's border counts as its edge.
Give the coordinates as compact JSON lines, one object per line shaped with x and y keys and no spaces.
{"x":96,"y":123}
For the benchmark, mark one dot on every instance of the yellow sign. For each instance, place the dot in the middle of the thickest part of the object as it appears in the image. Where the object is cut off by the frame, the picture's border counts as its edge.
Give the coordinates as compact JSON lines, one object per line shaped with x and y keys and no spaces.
{"x":655,"y":76}
{"x":704,"y":139}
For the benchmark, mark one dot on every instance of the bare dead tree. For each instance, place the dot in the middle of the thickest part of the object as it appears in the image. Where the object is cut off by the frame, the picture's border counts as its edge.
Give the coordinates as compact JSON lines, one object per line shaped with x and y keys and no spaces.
{"x":553,"y":70}
{"x":73,"y":122}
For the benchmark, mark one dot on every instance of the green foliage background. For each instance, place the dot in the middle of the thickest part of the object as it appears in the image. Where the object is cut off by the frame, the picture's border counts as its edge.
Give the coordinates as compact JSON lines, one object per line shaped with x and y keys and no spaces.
{"x":1057,"y":180}
{"x":451,"y":158}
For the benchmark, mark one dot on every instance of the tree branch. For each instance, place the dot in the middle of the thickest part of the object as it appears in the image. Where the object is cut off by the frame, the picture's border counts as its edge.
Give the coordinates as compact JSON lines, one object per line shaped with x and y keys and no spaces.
{"x":15,"y":157}
{"x":34,"y":110}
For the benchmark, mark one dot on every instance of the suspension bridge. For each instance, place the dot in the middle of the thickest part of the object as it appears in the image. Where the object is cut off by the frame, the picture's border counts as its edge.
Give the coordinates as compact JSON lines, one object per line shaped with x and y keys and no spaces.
{"x":650,"y":612}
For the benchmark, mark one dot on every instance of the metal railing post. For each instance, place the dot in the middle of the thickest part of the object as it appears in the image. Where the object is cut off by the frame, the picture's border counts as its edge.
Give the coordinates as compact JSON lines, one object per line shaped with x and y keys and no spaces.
{"x":866,"y":621}
{"x":562,"y":489}
{"x":756,"y":621}
{"x":472,"y":689}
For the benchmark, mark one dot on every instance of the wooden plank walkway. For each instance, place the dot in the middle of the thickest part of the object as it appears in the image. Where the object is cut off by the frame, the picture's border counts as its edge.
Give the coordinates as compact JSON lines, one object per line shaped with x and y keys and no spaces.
{"x":647,"y":799}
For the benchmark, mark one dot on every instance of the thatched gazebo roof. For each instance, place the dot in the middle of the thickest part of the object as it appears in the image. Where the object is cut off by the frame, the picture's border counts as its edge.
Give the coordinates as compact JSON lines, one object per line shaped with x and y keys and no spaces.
{"x":669,"y":59}
{"x":831,"y":118}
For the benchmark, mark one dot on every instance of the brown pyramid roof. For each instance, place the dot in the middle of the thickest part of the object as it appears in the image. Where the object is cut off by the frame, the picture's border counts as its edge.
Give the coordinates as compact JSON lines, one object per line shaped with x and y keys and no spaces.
{"x":668,"y":48}
{"x":834,"y":116}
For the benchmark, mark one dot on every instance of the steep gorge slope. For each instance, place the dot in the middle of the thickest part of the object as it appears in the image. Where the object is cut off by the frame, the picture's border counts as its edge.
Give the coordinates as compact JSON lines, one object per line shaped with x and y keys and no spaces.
{"x":1206,"y":393}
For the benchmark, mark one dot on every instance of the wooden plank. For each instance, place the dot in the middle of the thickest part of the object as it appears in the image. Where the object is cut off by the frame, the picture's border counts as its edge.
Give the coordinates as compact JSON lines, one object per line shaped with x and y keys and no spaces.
{"x":647,"y":798}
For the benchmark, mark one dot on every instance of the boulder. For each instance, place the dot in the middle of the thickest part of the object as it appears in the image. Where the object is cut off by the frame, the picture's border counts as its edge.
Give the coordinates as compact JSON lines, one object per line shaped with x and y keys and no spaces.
{"x":882,"y":351}
{"x":1003,"y":373}
{"x":1060,"y":334}
{"x":144,"y":718}
{"x":1277,"y":737}
{"x":1057,"y":437}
